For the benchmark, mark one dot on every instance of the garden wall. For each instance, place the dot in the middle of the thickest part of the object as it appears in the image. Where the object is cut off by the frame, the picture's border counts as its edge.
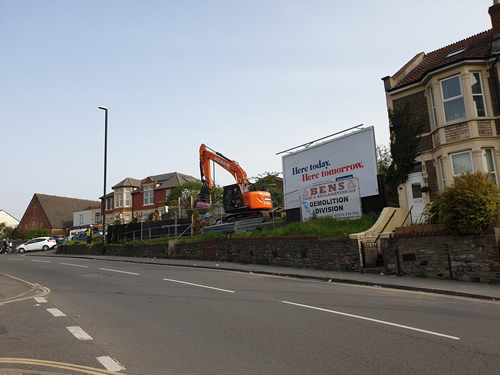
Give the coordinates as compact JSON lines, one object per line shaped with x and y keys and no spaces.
{"x":466,"y":258}
{"x":304,"y":252}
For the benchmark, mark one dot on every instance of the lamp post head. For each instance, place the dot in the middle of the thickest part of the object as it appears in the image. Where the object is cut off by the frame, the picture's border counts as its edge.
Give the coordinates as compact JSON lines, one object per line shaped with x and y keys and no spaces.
{"x":103,"y":108}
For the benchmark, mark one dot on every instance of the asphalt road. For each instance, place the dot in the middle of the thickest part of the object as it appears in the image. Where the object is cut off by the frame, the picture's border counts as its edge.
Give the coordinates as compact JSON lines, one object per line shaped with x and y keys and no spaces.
{"x":155,"y":319}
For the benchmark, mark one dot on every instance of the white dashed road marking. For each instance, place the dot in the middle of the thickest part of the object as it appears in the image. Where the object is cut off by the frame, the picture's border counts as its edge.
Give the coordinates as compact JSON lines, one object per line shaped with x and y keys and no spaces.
{"x":110,"y":364}
{"x":200,"y":286}
{"x":129,"y":273}
{"x":79,"y":333}
{"x":40,"y":261}
{"x":56,"y":312}
{"x":74,"y":265}
{"x":40,"y":299}
{"x":373,"y":320}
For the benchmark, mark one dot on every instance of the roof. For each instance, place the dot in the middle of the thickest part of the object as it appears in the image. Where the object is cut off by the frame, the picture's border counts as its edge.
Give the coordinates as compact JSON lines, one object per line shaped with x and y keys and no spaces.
{"x":170,"y":180}
{"x":477,"y":47}
{"x":59,"y":210}
{"x":128,"y":182}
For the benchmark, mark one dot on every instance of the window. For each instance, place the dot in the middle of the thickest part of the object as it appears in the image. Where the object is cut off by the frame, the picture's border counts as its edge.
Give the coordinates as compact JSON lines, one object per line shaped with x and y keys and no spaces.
{"x":433,"y":104}
{"x":127,"y":219}
{"x":416,"y":190}
{"x":148,"y":195}
{"x":127,"y":197}
{"x":97,"y":217}
{"x":110,"y":203}
{"x":119,"y":198}
{"x":81,"y":219}
{"x":489,"y":163}
{"x":453,"y":99}
{"x":441,"y":167}
{"x":461,"y":163}
{"x":477,"y":94}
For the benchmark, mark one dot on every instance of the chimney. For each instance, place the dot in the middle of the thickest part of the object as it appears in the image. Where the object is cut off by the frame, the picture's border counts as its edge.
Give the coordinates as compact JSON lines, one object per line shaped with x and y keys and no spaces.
{"x":494,"y":12}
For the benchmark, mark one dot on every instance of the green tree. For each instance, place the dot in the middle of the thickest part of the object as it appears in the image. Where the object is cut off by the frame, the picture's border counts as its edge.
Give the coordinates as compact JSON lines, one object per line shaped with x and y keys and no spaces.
{"x":405,"y":136}
{"x":384,"y":159}
{"x":272,"y":182}
{"x":469,"y":206}
{"x":185,"y":191}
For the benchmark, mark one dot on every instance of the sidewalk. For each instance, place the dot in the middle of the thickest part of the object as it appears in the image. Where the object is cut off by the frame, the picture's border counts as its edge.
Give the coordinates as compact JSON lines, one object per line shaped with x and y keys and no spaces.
{"x":448,"y":287}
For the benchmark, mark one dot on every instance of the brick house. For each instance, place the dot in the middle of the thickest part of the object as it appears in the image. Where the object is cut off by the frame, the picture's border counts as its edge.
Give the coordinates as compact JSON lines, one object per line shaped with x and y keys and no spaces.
{"x":132,"y":198}
{"x":52,"y":212}
{"x":453,"y":93}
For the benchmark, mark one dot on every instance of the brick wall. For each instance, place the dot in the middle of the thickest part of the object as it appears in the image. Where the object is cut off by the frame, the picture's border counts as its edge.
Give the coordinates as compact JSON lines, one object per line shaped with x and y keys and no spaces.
{"x":457,"y":132}
{"x":418,"y":108}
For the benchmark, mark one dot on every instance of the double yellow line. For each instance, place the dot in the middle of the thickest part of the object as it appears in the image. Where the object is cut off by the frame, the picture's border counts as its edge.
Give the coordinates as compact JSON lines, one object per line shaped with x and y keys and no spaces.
{"x":39,"y":289}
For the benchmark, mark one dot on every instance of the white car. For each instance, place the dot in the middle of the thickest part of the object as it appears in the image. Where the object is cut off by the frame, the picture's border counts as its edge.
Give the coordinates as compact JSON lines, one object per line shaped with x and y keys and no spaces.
{"x":39,"y":243}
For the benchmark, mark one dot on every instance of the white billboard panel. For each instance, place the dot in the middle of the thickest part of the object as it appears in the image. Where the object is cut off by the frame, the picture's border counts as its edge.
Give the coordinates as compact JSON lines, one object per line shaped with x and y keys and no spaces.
{"x":339,"y":200}
{"x":349,"y":156}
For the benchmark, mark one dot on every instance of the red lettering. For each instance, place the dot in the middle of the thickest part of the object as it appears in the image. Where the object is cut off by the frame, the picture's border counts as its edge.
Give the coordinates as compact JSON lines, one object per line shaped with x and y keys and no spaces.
{"x":332,"y":188}
{"x":314,"y":191}
{"x":322,"y":189}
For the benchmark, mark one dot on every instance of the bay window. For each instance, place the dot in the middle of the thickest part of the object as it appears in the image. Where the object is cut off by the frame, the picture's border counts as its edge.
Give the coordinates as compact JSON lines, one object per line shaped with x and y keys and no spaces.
{"x":461,"y":163}
{"x":477,"y":94}
{"x":453,"y":99}
{"x":489,"y":163}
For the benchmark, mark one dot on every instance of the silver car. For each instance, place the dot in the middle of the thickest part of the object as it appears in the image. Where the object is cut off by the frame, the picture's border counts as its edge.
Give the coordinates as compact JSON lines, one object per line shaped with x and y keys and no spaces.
{"x":39,"y":243}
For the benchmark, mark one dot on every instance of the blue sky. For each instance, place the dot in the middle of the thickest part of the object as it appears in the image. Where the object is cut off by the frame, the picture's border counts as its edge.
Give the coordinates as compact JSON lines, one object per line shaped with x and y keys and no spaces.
{"x":247,"y":78}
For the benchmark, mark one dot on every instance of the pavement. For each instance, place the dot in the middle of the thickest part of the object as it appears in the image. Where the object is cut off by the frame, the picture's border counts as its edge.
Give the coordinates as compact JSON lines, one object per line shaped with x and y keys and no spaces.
{"x":437,"y":286}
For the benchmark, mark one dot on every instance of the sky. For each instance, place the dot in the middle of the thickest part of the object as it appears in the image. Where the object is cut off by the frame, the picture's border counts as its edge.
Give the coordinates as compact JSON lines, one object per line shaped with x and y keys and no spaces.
{"x":247,"y":78}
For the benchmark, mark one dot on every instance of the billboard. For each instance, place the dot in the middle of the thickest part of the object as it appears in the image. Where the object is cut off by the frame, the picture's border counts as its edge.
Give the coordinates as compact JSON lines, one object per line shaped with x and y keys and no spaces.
{"x":349,"y":156}
{"x":339,"y":200}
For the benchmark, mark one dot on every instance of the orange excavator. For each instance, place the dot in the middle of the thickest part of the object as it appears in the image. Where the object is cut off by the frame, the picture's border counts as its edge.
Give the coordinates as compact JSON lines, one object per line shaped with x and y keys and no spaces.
{"x":237,"y":198}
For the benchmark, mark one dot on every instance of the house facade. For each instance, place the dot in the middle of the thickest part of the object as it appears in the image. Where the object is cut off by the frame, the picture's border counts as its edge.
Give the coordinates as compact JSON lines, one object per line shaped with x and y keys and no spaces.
{"x":453,"y":93}
{"x":9,"y":220}
{"x":132,"y":198}
{"x":52,"y":212}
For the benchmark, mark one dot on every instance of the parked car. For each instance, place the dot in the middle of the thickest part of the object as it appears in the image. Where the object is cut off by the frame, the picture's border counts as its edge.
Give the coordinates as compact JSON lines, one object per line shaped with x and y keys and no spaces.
{"x":39,"y":243}
{"x":60,"y":239}
{"x":79,"y":237}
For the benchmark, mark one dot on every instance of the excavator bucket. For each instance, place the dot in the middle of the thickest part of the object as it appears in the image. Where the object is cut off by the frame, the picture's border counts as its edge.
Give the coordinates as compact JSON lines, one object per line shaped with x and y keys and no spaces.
{"x":202,"y":207}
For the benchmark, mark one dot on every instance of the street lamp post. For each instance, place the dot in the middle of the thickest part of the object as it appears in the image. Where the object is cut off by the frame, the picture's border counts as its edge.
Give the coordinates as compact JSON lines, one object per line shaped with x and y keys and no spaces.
{"x":104,"y":194}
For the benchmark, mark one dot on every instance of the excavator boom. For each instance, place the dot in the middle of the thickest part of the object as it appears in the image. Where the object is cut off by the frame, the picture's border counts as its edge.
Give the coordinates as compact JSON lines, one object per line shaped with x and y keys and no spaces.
{"x":237,"y":197}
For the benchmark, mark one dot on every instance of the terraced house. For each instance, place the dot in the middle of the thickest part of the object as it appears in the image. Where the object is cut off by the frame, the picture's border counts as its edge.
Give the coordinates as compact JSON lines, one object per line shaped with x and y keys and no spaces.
{"x":454,"y":94}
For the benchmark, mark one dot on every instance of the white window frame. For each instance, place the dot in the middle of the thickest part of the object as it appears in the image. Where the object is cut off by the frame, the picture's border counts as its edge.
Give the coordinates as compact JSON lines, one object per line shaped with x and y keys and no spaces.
{"x":433,"y":105}
{"x":461,"y":153}
{"x":492,"y":173}
{"x":127,"y":197}
{"x":441,"y":167}
{"x":148,"y":195}
{"x":452,"y":99}
{"x":478,"y":95}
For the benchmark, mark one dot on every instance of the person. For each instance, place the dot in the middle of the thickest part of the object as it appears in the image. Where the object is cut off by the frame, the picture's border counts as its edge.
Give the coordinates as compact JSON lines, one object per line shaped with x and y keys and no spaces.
{"x":89,"y":235}
{"x":5,"y":246}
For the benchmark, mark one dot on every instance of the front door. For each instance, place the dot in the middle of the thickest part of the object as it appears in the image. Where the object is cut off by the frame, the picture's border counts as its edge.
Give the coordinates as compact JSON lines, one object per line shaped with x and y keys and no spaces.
{"x":415,"y":196}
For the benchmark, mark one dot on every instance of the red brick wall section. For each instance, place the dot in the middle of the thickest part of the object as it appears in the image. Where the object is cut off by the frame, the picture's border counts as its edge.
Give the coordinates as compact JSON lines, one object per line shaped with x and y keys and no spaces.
{"x":34,"y":214}
{"x":419,"y":111}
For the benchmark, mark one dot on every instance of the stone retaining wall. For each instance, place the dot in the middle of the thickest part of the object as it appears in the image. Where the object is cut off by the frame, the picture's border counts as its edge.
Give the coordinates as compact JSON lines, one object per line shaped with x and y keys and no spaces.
{"x":306,"y":252}
{"x":467,"y":258}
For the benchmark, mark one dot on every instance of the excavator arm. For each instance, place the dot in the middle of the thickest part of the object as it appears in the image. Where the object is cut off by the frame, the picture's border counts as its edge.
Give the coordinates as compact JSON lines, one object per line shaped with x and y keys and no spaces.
{"x":236,"y":197}
{"x":207,"y":155}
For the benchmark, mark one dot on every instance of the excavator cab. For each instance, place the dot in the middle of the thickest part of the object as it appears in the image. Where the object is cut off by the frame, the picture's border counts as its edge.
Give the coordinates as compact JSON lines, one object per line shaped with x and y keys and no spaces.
{"x":232,"y":198}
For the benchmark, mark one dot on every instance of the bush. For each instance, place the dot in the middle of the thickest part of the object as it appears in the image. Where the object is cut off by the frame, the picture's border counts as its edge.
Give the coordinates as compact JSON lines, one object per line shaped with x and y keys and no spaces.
{"x":469,"y":206}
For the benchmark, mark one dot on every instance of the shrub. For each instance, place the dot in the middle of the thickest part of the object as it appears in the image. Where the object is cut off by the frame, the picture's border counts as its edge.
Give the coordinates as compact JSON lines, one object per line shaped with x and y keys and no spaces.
{"x":470,"y":205}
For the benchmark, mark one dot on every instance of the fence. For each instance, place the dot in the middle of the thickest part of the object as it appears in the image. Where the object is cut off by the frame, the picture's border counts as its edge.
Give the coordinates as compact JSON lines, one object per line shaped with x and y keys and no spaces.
{"x":150,"y":230}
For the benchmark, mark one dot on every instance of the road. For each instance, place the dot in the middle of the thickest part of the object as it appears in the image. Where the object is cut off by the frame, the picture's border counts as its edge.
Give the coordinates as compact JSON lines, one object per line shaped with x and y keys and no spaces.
{"x":154,"y":319}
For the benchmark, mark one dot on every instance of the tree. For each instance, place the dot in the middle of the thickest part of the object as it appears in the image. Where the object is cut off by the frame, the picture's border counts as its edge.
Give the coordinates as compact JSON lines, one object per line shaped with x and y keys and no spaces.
{"x":405,"y":137}
{"x":185,"y":191}
{"x":272,"y":182}
{"x":384,"y":159}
